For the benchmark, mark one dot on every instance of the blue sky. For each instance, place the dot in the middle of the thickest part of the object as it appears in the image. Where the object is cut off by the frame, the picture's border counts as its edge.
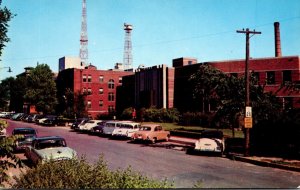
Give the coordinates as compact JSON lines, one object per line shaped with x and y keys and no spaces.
{"x":45,"y":30}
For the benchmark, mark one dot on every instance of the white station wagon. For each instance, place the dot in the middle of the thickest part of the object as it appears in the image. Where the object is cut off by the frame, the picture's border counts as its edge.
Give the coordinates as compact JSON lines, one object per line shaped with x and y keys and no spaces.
{"x":44,"y":149}
{"x":126,"y":129}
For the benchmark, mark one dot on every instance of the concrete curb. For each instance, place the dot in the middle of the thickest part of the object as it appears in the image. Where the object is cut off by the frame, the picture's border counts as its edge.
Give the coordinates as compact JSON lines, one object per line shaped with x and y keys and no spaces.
{"x":263,"y":163}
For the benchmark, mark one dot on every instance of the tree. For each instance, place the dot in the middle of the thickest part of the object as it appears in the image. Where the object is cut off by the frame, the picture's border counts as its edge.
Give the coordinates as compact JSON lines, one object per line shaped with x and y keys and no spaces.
{"x":5,"y":17}
{"x":41,"y":90}
{"x":227,"y":92}
{"x":7,"y":158}
{"x":5,"y":89}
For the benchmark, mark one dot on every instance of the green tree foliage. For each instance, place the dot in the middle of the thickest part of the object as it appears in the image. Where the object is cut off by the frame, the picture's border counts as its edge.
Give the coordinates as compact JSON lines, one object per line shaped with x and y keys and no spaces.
{"x":7,"y":158}
{"x":227,"y":92}
{"x":160,"y":115}
{"x":41,"y":90}
{"x":5,"y":17}
{"x":78,"y":174}
{"x":5,"y":89}
{"x":79,"y":105}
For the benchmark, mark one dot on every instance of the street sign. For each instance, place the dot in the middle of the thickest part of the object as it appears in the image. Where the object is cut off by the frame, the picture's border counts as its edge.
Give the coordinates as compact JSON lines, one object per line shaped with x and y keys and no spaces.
{"x":248,"y":122}
{"x":248,"y":111}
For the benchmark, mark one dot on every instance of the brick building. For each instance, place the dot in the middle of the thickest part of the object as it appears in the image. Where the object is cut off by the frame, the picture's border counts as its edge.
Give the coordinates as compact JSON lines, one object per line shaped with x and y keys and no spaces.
{"x":99,"y":86}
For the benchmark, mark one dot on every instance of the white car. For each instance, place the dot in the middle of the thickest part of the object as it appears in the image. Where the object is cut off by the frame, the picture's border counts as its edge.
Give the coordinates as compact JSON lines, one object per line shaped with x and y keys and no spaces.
{"x":211,"y":141}
{"x":126,"y":129}
{"x":110,"y":126}
{"x":87,"y":126}
{"x":48,"y":148}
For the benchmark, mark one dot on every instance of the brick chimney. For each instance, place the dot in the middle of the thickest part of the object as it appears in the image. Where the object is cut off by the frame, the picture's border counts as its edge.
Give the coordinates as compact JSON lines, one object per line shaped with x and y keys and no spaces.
{"x":277,"y":40}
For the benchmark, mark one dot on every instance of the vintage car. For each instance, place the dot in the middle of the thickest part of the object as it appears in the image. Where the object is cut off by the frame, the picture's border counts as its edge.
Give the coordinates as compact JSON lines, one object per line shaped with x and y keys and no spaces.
{"x":210,"y":141}
{"x":77,"y":122}
{"x":89,"y":125}
{"x":126,"y":129}
{"x":26,"y":136}
{"x":48,"y":148}
{"x":98,"y":129}
{"x":151,"y":133}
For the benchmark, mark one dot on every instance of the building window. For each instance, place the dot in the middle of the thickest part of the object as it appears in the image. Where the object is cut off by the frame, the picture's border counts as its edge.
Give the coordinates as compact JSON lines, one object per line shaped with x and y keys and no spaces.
{"x":111,"y":97}
{"x":120,"y":80}
{"x":101,"y":103}
{"x":101,"y":79}
{"x":100,"y":90}
{"x":256,"y":77}
{"x":84,"y":90}
{"x":89,"y":78}
{"x":286,"y":77}
{"x":89,"y":91}
{"x":111,"y":109}
{"x":84,"y":78}
{"x":89,"y":104}
{"x":111,"y":84}
{"x":271,"y":77}
{"x":190,"y":62}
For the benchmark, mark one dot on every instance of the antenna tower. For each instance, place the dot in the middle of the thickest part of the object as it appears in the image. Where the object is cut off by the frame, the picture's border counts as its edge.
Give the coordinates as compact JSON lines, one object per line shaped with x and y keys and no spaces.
{"x":127,"y":59}
{"x":83,"y":37}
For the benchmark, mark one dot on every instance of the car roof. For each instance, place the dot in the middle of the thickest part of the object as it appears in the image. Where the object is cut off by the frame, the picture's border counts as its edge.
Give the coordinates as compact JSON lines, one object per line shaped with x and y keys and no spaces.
{"x":24,"y":129}
{"x":150,"y":125}
{"x":49,"y":138}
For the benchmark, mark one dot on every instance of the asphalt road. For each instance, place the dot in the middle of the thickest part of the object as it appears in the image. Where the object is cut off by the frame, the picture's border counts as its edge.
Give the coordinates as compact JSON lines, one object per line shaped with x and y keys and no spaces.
{"x":160,"y":162}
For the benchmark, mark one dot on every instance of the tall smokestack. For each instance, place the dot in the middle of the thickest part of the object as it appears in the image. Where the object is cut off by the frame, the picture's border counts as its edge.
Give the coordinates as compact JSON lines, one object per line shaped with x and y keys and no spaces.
{"x":277,"y":40}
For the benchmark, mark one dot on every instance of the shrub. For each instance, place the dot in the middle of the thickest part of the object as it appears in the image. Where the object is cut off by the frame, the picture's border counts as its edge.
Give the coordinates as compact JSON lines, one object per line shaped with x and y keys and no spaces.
{"x":127,"y":113}
{"x":78,"y":174}
{"x":161,"y":115}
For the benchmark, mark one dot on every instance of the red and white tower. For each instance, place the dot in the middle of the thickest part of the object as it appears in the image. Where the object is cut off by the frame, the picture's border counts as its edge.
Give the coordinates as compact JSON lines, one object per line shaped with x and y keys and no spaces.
{"x":83,"y":54}
{"x":127,"y":59}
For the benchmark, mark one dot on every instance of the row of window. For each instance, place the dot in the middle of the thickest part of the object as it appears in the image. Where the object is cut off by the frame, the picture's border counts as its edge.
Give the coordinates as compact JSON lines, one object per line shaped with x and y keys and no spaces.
{"x":89,"y":91}
{"x":270,"y":76}
{"x":88,"y":78}
{"x":110,"y":107}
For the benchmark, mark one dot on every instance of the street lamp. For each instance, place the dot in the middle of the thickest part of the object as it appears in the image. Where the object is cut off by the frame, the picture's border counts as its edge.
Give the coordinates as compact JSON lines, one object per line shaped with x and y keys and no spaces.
{"x":9,"y":69}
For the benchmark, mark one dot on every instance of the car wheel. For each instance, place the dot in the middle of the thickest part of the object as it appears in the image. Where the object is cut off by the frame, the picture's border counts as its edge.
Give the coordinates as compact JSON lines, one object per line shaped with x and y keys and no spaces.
{"x":154,"y":140}
{"x":168,"y":138}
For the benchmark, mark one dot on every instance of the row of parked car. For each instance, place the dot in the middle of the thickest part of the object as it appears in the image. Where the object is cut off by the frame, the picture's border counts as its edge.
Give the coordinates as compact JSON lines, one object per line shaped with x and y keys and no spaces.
{"x":122,"y":129}
{"x":47,"y":120}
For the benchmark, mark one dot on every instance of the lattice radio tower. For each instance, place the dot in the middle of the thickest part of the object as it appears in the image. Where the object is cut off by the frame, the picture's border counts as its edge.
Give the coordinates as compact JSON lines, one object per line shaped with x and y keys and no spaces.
{"x":127,"y":59}
{"x":83,"y":54}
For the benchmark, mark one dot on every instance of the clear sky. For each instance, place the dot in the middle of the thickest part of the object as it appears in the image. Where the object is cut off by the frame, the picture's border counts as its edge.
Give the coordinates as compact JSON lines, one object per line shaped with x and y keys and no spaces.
{"x":45,"y":30}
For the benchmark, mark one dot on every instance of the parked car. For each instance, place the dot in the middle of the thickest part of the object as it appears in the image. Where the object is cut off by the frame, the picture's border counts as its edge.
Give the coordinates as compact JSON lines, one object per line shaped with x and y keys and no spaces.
{"x":89,"y":125}
{"x":98,"y":129}
{"x":48,"y":148}
{"x":211,"y":141}
{"x":110,"y":126}
{"x":27,"y":135}
{"x":17,"y":116}
{"x":126,"y":129}
{"x":42,"y":119}
{"x":75,"y":125}
{"x":152,"y":133}
{"x":54,"y":121}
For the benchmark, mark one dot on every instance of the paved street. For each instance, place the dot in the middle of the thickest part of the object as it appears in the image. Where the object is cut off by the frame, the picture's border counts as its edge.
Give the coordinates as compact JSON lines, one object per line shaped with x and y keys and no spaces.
{"x":161,"y":162}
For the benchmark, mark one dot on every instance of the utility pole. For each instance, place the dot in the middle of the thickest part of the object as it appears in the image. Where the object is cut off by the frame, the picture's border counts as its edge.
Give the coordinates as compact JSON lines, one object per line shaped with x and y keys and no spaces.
{"x":248,"y":108}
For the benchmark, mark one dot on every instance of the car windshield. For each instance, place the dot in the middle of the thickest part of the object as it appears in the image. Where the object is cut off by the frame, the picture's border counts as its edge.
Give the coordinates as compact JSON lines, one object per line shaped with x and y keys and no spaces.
{"x":124,"y":126}
{"x":50,"y":143}
{"x":24,"y":132}
{"x":145,"y":128}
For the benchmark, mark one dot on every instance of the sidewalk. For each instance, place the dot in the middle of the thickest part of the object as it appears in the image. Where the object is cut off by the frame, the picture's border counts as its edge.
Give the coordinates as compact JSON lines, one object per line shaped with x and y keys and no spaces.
{"x":286,"y":164}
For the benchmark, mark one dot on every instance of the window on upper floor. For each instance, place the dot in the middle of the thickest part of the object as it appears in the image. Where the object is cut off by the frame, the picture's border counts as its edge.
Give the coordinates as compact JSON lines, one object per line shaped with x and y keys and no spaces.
{"x":120,"y":80}
{"x":100,"y":103}
{"x":89,"y":104}
{"x":111,"y":97}
{"x":111,"y":84}
{"x":89,"y":91}
{"x":270,"y":77}
{"x":101,"y":79}
{"x":286,"y":76}
{"x":256,"y":78}
{"x":100,"y":90}
{"x":84,"y":78}
{"x":89,"y":78}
